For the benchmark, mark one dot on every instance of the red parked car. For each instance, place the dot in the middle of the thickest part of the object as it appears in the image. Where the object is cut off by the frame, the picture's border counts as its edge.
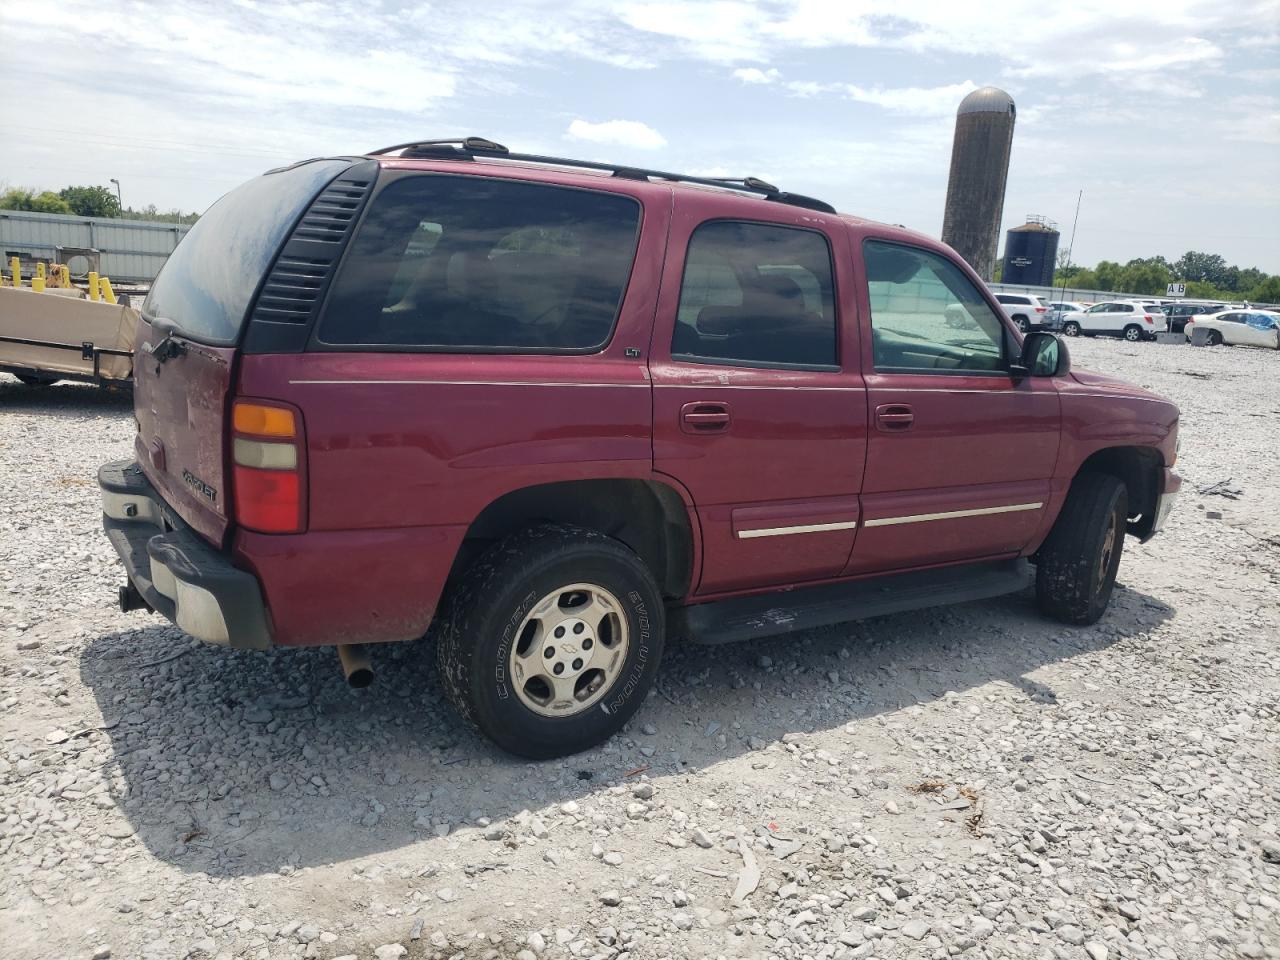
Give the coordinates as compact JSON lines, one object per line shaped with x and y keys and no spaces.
{"x":559,"y":411}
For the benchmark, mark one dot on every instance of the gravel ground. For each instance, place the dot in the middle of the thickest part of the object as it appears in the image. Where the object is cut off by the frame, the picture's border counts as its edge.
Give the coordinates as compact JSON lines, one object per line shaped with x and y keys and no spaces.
{"x":969,"y":781}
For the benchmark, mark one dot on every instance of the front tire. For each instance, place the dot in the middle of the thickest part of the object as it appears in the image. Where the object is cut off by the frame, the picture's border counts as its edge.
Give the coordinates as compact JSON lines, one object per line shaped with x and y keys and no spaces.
{"x":1076,"y":567}
{"x":1133,"y":333}
{"x":552,"y":640}
{"x":1071,"y":329}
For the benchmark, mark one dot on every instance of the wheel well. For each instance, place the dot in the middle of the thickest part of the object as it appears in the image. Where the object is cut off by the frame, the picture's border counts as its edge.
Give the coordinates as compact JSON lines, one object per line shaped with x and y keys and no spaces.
{"x":648,"y":517}
{"x":1139,"y":468}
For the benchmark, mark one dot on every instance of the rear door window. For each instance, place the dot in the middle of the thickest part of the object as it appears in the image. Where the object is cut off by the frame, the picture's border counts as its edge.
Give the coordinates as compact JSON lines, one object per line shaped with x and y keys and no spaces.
{"x":470,"y":264}
{"x":205,"y":286}
{"x":758,"y":295}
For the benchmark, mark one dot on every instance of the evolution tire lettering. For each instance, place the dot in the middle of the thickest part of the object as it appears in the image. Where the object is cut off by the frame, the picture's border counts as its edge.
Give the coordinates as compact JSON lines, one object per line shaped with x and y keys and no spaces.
{"x":504,"y":646}
{"x":629,"y":683}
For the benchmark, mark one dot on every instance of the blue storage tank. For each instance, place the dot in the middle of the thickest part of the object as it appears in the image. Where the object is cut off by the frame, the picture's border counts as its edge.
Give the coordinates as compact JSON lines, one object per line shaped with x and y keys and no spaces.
{"x":1030,"y":253}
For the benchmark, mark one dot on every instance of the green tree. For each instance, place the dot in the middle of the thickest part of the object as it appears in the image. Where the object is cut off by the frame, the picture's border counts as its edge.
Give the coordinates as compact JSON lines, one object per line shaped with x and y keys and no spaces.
{"x":1145,"y":276}
{"x":1203,"y":290}
{"x":1268,"y":291}
{"x":1202,"y":267}
{"x":1250,"y":277}
{"x":19,"y":198}
{"x":91,"y":201}
{"x":1108,"y":274}
{"x":151,"y":212}
{"x":1084,"y":280}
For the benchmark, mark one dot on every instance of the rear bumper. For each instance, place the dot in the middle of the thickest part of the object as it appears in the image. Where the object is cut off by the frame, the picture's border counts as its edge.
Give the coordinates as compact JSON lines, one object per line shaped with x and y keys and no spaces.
{"x":177,"y":572}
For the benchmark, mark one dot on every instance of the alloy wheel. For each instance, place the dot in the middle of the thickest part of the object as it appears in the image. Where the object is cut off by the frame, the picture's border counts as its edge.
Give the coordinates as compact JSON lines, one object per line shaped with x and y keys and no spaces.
{"x":569,"y":649}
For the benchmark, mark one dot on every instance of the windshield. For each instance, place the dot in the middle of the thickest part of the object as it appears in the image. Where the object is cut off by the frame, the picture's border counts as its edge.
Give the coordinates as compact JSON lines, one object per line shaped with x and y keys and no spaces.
{"x":205,"y":286}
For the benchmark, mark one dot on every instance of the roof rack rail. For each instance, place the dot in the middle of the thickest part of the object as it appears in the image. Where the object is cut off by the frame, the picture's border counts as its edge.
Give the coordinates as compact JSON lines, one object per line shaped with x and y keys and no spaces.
{"x":468,"y":148}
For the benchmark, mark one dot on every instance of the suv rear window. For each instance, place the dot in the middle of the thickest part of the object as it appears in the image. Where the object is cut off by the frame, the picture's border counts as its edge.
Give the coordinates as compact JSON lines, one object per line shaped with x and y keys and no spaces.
{"x":206,"y":284}
{"x":462,"y":263}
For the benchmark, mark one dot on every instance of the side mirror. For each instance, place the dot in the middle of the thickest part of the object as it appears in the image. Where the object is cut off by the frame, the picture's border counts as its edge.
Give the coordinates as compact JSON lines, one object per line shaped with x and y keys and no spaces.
{"x":1043,"y":355}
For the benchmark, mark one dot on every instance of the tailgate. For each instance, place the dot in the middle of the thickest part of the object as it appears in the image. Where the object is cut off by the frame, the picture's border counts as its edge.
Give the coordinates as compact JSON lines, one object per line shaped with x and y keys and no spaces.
{"x":191,"y":325}
{"x":181,"y":406}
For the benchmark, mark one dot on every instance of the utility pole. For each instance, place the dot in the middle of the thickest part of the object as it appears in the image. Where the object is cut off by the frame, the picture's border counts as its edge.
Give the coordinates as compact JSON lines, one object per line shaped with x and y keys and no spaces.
{"x":1062,"y":294}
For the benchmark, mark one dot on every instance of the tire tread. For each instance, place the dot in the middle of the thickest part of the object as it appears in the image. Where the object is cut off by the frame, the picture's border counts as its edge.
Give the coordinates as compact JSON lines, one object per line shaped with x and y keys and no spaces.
{"x":1064,"y":569}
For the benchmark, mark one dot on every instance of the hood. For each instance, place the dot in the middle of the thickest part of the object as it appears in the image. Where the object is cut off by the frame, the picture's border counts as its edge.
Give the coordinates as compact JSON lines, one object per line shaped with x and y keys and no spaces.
{"x":1100,"y":381}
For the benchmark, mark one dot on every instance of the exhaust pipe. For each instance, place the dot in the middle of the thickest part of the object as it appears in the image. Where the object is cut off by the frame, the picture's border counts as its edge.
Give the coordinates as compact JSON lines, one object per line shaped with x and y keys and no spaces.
{"x":355,"y":664}
{"x":130,"y":599}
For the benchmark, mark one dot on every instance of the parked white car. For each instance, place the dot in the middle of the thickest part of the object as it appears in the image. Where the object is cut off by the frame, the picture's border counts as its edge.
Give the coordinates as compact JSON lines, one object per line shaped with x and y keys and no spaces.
{"x":1026,"y":310}
{"x":1059,"y":309}
{"x":1244,"y":328}
{"x":1132,"y":319}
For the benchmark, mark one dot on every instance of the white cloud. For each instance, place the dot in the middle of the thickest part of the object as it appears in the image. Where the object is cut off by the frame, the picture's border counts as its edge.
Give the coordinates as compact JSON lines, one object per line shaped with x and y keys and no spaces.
{"x":914,"y":101}
{"x":756,"y":75}
{"x":215,"y":92}
{"x":624,"y":133}
{"x":722,"y":31}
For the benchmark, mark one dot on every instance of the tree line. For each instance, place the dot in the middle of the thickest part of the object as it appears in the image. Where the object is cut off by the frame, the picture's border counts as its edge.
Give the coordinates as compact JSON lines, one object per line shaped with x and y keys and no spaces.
{"x":86,"y":202}
{"x":1207,"y":276}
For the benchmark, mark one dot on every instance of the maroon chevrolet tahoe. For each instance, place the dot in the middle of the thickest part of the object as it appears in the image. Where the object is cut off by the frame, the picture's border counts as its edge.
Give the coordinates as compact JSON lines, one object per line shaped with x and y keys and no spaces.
{"x":557,"y":411}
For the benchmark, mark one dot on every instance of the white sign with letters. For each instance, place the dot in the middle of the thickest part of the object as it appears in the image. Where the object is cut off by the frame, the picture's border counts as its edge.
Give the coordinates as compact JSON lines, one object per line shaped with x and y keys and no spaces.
{"x":1176,"y":290}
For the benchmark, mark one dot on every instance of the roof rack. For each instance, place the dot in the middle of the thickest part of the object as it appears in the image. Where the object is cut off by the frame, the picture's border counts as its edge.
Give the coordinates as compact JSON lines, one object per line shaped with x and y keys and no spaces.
{"x":469,"y":148}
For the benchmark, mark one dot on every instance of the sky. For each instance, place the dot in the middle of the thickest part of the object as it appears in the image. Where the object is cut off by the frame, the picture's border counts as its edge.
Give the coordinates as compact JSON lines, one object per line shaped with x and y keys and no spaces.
{"x":1166,"y":113}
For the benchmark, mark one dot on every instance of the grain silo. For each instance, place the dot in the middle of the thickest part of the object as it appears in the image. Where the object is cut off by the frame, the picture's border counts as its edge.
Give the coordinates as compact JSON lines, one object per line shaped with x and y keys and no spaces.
{"x":979,"y":169}
{"x":1031,"y":252}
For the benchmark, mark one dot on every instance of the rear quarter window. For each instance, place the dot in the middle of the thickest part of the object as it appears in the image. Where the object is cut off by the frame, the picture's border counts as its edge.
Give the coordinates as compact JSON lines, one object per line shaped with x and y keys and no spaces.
{"x":205,"y":286}
{"x":468,"y":263}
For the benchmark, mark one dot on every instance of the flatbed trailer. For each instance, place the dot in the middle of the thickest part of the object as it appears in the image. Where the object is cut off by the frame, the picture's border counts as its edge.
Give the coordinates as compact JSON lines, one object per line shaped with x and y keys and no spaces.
{"x":45,"y":338}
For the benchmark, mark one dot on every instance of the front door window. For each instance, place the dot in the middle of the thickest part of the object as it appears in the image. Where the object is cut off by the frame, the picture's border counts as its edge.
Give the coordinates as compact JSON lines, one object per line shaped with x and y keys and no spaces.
{"x":927,"y":316}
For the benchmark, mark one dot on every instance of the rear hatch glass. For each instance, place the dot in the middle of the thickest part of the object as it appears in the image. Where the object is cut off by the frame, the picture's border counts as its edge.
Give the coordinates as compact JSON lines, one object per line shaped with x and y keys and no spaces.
{"x":198,"y":305}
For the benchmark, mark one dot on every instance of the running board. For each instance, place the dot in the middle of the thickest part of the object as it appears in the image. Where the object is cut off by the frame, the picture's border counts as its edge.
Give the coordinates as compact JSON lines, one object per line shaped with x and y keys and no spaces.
{"x":766,"y":615}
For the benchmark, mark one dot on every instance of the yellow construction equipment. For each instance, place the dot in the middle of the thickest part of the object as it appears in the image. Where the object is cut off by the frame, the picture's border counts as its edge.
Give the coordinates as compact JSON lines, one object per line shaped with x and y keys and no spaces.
{"x":95,"y":289}
{"x":15,"y":269}
{"x":104,"y":287}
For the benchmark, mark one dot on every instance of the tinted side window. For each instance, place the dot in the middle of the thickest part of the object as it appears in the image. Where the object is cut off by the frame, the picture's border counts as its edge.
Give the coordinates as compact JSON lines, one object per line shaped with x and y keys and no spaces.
{"x":756,"y":294}
{"x":926,"y":315}
{"x":468,"y":263}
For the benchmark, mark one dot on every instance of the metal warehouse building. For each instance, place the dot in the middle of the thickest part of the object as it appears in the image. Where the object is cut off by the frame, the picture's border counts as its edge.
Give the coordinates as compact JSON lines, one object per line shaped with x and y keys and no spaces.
{"x":132,"y":250}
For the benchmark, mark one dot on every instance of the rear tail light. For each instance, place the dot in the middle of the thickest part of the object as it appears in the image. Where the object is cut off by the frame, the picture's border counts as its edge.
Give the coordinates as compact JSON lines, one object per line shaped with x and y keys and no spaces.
{"x":1147,"y":317}
{"x":268,"y":462}
{"x":1041,"y":309}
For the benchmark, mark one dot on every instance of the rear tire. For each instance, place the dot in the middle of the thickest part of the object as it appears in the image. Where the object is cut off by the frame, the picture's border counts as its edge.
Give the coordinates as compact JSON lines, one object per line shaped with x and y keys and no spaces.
{"x":1133,"y":333}
{"x":1076,"y":567}
{"x":1023,"y":324}
{"x":496,"y":649}
{"x":1071,"y":329}
{"x":1214,"y":339}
